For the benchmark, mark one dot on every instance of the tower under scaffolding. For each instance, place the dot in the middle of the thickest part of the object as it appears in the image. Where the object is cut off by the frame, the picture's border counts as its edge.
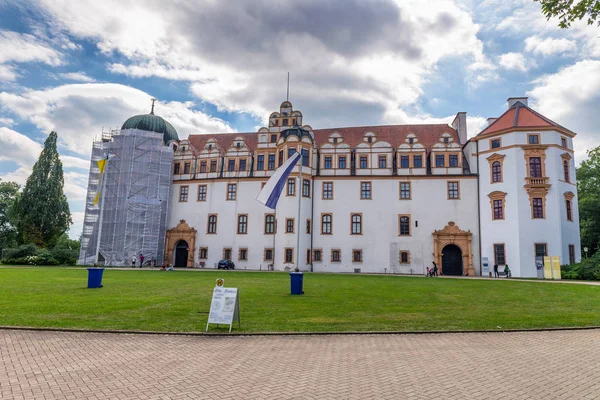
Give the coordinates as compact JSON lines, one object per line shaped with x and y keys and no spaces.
{"x":134,"y":198}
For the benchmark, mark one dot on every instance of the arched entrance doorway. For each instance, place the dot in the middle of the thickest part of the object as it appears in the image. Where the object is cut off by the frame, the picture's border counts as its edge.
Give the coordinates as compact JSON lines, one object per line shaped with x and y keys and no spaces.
{"x":452,"y":260}
{"x":181,"y":254}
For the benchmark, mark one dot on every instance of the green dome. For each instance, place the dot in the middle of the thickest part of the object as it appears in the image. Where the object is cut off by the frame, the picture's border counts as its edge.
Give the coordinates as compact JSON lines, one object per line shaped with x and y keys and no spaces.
{"x":152,"y":123}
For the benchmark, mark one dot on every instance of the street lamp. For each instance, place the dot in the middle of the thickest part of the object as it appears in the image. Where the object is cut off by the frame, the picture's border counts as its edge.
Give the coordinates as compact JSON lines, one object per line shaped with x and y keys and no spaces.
{"x":585,"y":250}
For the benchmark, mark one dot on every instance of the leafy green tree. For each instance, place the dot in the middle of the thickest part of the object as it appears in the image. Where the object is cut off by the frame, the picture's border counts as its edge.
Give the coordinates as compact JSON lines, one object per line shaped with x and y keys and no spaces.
{"x":569,"y":11}
{"x":42,"y":211}
{"x":588,"y":188}
{"x":9,"y":192}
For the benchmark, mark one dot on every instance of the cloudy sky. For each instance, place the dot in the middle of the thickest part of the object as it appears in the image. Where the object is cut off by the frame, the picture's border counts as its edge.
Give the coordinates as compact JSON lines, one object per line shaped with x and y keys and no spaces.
{"x":77,"y":67}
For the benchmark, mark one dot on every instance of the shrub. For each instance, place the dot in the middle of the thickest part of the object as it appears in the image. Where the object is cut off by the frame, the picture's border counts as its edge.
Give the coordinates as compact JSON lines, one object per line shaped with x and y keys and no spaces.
{"x":588,"y":269}
{"x":22,"y":251}
{"x":65,"y":256}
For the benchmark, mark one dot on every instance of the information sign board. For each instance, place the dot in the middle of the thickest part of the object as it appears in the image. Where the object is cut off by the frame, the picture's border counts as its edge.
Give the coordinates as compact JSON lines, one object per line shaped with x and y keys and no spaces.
{"x":224,"y":307}
{"x":485,"y":266}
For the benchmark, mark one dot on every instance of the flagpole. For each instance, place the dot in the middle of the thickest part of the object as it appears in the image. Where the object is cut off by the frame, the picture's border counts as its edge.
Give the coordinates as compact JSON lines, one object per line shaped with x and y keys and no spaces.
{"x":299,"y":192}
{"x":101,"y":213}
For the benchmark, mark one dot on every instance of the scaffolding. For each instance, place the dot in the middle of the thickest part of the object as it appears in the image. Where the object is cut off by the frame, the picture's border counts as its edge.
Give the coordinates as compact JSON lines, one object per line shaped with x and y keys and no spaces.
{"x":134,"y":198}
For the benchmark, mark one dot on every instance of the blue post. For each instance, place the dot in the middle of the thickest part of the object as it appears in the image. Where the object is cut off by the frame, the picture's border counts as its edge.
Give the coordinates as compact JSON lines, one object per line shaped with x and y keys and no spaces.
{"x":95,"y":277}
{"x":296,"y":282}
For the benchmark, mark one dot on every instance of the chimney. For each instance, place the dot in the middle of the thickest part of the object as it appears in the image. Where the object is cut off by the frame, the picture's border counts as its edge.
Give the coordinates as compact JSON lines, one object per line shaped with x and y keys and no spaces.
{"x":491,"y":121}
{"x":460,"y":125}
{"x":512,"y":100}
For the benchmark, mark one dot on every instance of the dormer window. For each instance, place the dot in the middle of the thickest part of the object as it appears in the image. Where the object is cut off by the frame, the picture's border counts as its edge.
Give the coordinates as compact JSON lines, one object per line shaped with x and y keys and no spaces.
{"x":210,"y":147}
{"x":446,"y":140}
{"x":294,"y":121}
{"x":238,"y":145}
{"x":411,"y":140}
{"x":276,"y":122}
{"x":370,"y":139}
{"x":335,"y":140}
{"x":284,"y":122}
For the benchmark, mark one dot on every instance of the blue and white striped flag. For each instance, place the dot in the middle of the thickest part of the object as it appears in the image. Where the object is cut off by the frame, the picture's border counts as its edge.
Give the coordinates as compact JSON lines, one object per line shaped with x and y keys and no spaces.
{"x":269,"y":195}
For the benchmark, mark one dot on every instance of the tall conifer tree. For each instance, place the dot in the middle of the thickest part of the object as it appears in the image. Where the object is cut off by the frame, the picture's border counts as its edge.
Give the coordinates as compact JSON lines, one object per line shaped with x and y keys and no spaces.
{"x":42,"y":210}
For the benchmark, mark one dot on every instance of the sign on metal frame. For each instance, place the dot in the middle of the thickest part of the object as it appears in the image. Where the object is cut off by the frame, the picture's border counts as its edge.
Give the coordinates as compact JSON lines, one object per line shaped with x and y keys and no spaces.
{"x":224,"y":307}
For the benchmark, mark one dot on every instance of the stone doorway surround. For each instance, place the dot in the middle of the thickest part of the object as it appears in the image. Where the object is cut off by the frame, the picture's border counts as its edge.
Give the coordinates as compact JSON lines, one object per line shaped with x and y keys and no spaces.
{"x":181,"y":232}
{"x":452,"y":234}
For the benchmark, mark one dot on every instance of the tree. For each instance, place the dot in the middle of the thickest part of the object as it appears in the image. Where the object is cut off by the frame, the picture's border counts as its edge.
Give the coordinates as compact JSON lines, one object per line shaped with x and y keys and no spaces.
{"x":588,"y":188}
{"x":42,"y":211}
{"x":9,"y":192}
{"x":568,"y":12}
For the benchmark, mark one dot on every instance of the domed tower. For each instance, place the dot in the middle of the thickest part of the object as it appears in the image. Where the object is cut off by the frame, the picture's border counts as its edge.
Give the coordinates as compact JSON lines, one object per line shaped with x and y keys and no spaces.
{"x":128,"y":193}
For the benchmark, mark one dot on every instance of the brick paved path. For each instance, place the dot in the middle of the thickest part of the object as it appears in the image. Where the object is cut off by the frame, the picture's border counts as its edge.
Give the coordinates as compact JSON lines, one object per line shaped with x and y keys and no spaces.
{"x":55,"y":365}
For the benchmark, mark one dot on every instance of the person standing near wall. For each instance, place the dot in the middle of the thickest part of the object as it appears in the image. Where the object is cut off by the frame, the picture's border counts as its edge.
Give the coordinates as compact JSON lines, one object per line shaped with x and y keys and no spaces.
{"x":496,"y":271}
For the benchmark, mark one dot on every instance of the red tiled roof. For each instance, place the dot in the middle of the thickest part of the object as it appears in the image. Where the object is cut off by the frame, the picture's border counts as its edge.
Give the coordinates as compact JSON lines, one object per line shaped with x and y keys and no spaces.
{"x":520,"y":116}
{"x":395,"y":135}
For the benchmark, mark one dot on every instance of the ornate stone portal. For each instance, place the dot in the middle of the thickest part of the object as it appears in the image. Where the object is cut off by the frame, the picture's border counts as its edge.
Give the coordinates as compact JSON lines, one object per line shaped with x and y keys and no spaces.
{"x":181,"y":232}
{"x":452,"y":234}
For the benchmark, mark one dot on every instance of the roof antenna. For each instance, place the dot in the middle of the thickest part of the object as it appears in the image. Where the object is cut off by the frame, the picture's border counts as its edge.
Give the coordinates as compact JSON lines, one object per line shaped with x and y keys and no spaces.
{"x":287,"y":98}
{"x":152,"y":111}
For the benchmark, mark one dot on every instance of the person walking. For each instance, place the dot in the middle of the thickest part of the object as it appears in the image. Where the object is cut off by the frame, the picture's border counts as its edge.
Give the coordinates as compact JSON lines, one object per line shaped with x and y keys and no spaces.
{"x":496,"y":271}
{"x":507,"y":271}
{"x":435,"y":269}
{"x":133,"y":259}
{"x":141,"y":260}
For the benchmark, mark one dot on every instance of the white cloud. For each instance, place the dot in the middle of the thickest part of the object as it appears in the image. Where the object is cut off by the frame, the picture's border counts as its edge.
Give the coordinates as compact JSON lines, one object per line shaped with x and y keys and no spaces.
{"x":549,"y":46}
{"x":77,"y":218}
{"x":512,"y":61}
{"x":18,"y":148}
{"x":77,"y":112}
{"x":571,"y":97}
{"x":76,"y":76}
{"x":6,"y":121}
{"x":20,"y":48}
{"x":7,"y":73}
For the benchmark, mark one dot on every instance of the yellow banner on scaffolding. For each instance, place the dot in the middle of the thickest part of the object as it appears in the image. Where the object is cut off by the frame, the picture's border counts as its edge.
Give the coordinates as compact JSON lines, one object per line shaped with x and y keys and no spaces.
{"x":101,"y":166}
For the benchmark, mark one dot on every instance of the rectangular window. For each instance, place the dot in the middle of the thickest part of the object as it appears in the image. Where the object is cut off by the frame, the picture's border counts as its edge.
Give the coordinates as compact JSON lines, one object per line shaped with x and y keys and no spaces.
{"x":308,"y":226}
{"x":291,"y":152}
{"x":269,"y":224}
{"x":305,"y":158}
{"x":242,"y":227}
{"x":538,"y":207}
{"x":404,"y":225}
{"x":213,"y":166}
{"x":289,"y":255}
{"x":498,"y":209}
{"x":566,"y":171}
{"x":203,"y":253}
{"x":308,"y":256}
{"x":231,"y":191}
{"x":317,"y":255}
{"x":453,"y":191}
{"x":280,"y":160}
{"x":404,"y":257}
{"x":268,"y":255}
{"x":306,"y":188}
{"x":356,"y":224}
{"x":356,"y":256}
{"x":183,"y":193}
{"x":186,"y":168}
{"x":326,"y":222}
{"x":243,"y":255}
{"x":289,"y":225}
{"x":446,"y":140}
{"x":439,"y":160}
{"x":535,"y":167}
{"x":271,"y":162}
{"x":404,"y":163}
{"x":176,"y":167}
{"x":291,"y":187}
{"x":327,"y":163}
{"x":327,"y":190}
{"x":499,"y":254}
{"x":342,"y":162}
{"x":212,"y":223}
{"x":571,"y":254}
{"x":242,"y":165}
{"x":203,"y":167}
{"x":274,"y":137}
{"x":202,"y":192}
{"x":405,"y":190}
{"x":336,"y":255}
{"x":411,"y":140}
{"x":363,"y":162}
{"x":453,"y":160}
{"x":382,"y":162}
{"x":260,"y":162}
{"x":569,"y":210}
{"x":533,"y":139}
{"x":495,"y":143}
{"x":226,"y":254}
{"x":365,"y":190}
{"x":541,"y":250}
{"x":418,"y":161}
{"x":563,"y":142}
{"x":284,"y":122}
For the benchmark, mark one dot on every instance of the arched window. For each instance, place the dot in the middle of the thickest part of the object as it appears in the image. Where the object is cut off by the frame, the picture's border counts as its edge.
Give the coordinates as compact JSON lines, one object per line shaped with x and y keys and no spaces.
{"x":356,"y":224}
{"x":326,"y":224}
{"x":566,"y":171}
{"x":496,"y":172}
{"x":535,"y":167}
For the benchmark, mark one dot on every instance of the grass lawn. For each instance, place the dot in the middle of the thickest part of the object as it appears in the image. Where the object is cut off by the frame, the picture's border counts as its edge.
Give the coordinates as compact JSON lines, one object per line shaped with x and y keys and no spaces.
{"x":179,"y":301}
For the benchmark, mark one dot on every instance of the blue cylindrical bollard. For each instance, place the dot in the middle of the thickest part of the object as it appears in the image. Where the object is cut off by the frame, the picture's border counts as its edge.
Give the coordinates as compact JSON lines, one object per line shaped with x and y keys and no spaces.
{"x":296,"y":282}
{"x":95,"y":277}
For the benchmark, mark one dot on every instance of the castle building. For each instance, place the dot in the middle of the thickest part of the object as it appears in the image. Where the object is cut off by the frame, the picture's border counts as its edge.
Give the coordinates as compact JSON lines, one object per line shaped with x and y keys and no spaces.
{"x":383,"y":199}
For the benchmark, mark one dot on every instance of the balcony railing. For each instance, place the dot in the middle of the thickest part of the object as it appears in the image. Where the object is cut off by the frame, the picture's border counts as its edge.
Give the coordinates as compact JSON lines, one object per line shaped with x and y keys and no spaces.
{"x":532,"y":181}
